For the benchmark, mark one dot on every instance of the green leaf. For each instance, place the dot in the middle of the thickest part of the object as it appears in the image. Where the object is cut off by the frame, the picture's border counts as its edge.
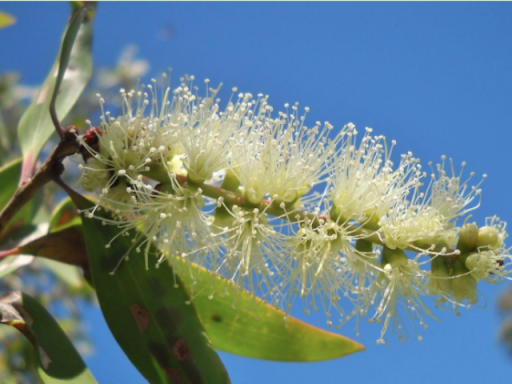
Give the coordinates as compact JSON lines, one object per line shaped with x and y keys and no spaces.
{"x":58,"y":362}
{"x":6,"y":20}
{"x":147,"y":310}
{"x":9,"y":176}
{"x":255,"y":328}
{"x":63,"y":216}
{"x":66,"y":246}
{"x":240,"y":323}
{"x":61,"y":252}
{"x":75,"y":62}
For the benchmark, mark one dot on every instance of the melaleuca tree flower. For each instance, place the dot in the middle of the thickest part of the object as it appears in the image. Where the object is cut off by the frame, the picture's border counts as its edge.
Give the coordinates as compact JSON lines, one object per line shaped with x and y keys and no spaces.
{"x":438,"y":284}
{"x":250,"y":248}
{"x":430,"y":216}
{"x":174,"y":220}
{"x":126,"y":147}
{"x":316,"y":266}
{"x":491,"y":259}
{"x":400,"y":281}
{"x":281,"y":158}
{"x":365,"y":184}
{"x":288,"y":211}
{"x":202,"y":130}
{"x":451,"y":196}
{"x":409,"y":220}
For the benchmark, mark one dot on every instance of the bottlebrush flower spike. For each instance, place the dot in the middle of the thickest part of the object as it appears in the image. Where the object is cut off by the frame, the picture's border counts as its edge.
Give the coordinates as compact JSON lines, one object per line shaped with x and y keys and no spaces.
{"x":290,"y":211}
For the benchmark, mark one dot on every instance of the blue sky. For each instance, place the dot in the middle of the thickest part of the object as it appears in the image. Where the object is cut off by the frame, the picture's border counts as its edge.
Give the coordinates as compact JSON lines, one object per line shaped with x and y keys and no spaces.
{"x":434,"y":76}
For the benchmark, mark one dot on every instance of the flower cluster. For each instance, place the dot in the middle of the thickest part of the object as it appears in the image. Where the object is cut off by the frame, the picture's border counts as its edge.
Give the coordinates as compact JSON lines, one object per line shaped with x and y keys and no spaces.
{"x":291,"y":211}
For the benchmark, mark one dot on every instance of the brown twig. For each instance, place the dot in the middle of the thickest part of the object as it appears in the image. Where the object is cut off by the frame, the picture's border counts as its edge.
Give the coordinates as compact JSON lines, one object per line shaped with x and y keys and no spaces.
{"x":55,"y":119}
{"x":53,"y":165}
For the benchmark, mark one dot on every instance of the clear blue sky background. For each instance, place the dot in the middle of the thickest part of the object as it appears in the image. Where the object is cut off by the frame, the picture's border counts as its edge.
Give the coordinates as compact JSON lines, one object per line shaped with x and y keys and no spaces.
{"x":435,"y":76}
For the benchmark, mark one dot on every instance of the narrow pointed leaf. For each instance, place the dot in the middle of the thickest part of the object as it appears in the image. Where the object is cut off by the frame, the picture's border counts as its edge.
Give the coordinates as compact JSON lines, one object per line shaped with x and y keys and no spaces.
{"x":57,"y":360}
{"x":66,"y":246}
{"x":148,"y":311}
{"x":64,"y":215}
{"x":62,"y":251}
{"x":9,"y":176}
{"x":8,"y":263}
{"x":66,"y":81}
{"x":255,"y":328}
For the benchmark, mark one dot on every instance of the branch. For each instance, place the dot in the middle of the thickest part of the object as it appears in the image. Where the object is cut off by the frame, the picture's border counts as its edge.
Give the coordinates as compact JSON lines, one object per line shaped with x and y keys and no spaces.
{"x":230,"y":198}
{"x":52,"y":166}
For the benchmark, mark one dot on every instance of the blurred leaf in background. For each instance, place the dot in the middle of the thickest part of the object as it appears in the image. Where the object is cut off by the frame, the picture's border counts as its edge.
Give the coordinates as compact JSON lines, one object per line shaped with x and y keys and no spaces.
{"x":57,"y":359}
{"x":6,"y":20}
{"x":14,"y":98}
{"x":505,"y":306}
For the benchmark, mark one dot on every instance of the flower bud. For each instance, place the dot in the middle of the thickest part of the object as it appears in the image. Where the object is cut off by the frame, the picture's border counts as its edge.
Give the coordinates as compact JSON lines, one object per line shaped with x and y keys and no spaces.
{"x":488,"y":237}
{"x":439,"y":280}
{"x":463,"y":285}
{"x":372,"y":220}
{"x":364,"y":246}
{"x":479,"y":265}
{"x":487,"y":264}
{"x":468,"y":237}
{"x":230,"y":181}
{"x":395,"y":257}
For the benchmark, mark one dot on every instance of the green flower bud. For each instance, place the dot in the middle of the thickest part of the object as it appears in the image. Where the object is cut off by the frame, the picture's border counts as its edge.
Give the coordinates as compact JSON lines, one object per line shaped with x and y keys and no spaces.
{"x":468,"y":237}
{"x":230,"y":181}
{"x":488,"y":237}
{"x":372,"y":221}
{"x":364,"y":246}
{"x":396,"y":257}
{"x":439,"y":280}
{"x":222,"y":219}
{"x":463,"y":285}
{"x":479,"y":265}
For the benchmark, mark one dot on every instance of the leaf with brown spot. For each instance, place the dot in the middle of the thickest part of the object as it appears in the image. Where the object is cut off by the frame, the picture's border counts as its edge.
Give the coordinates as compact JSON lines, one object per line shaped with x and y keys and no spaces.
{"x":141,"y":316}
{"x":146,"y":310}
{"x":181,"y":350}
{"x":58,"y":361}
{"x":254,"y":329}
{"x":257,"y":329}
{"x":174,"y":375}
